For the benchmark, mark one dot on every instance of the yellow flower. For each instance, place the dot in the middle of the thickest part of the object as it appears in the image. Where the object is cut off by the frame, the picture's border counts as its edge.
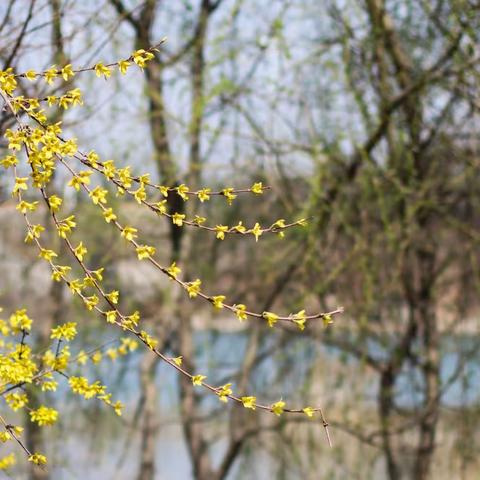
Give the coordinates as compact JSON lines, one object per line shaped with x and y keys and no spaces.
{"x":34,"y":232}
{"x":98,"y":195}
{"x":101,"y":69}
{"x":54,"y":202}
{"x":16,"y":401}
{"x":37,"y":459}
{"x":112,"y":296}
{"x":217,"y":301}
{"x":177,"y":219}
{"x":327,"y":320}
{"x":37,"y":136}
{"x":193,"y":288}
{"x":52,"y":100}
{"x":300,"y":319}
{"x":257,"y":188}
{"x":182,"y":190}
{"x":9,"y":161}
{"x":161,"y":207}
{"x":59,"y":273}
{"x":93,"y":158}
{"x":19,"y":321}
{"x":57,"y":362}
{"x":173,"y":270}
{"x":109,"y":169}
{"x":240,"y":311}
{"x":308,"y":411}
{"x":81,"y":386}
{"x":67,"y":72}
{"x":177,"y":360}
{"x":80,"y":251}
{"x":279,"y":223}
{"x":49,"y":386}
{"x":7,"y":80}
{"x":76,"y":96}
{"x":70,"y":221}
{"x":128,"y":345}
{"x":69,"y":148}
{"x":112,"y":353}
{"x":30,"y":75}
{"x":145,"y":251}
{"x":198,"y":379}
{"x":76,"y":286}
{"x":109,"y":215}
{"x":270,"y":317}
{"x":229,"y":195}
{"x":97,"y":357}
{"x":8,"y":461}
{"x":98,"y":273}
{"x":141,"y":57}
{"x":65,"y":226}
{"x":204,"y":194}
{"x":123,"y":65}
{"x":15,"y":139}
{"x":111,"y":316}
{"x":82,"y":357}
{"x":199,"y":220}
{"x":91,"y":302}
{"x":133,"y":319}
{"x":4,"y":328}
{"x":240,"y":227}
{"x":249,"y":402}
{"x":67,"y":331}
{"x":223,"y":392}
{"x":221,"y":230}
{"x":82,"y":178}
{"x":278,"y":407}
{"x":44,"y":416}
{"x":51,"y":74}
{"x":117,"y":408}
{"x":149,"y":340}
{"x":256,"y":231}
{"x":25,"y":207}
{"x":20,"y":184}
{"x":140,"y":194}
{"x":129,"y":233}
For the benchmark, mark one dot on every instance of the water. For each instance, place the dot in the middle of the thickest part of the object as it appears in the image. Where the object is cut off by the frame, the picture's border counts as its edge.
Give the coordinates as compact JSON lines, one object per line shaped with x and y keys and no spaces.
{"x":91,"y":442}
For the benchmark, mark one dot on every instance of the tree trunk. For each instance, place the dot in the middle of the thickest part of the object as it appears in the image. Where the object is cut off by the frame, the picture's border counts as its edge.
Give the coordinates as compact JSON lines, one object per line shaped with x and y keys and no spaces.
{"x":430,"y":369}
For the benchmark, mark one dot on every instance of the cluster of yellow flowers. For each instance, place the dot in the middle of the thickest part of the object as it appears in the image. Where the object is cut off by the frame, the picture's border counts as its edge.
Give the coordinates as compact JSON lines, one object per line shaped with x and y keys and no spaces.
{"x":40,"y":146}
{"x":19,"y":367}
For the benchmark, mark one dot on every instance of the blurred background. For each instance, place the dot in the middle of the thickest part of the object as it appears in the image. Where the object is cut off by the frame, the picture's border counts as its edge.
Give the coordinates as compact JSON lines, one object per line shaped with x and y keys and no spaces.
{"x":363,"y":116}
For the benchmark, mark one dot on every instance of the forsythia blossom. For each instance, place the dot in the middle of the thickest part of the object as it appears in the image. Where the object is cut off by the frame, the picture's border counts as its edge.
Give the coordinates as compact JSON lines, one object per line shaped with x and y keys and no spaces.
{"x":249,"y":402}
{"x":270,"y":317}
{"x":67,"y":331}
{"x":278,"y":407}
{"x":44,"y":416}
{"x":198,"y":379}
{"x":224,"y":391}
